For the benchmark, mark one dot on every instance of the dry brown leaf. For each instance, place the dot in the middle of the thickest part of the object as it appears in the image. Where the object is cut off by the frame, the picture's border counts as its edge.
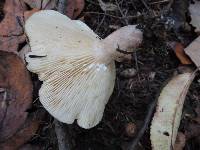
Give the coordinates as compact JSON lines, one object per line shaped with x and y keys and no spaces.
{"x":195,"y":15}
{"x":193,"y":51}
{"x":179,"y":51}
{"x":11,"y":31}
{"x":28,"y":129}
{"x":15,"y":96}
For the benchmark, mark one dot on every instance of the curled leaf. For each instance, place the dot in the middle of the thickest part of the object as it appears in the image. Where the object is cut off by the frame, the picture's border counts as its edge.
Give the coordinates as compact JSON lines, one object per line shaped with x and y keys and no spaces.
{"x":179,"y":51}
{"x":167,"y":118}
{"x":15,"y":94}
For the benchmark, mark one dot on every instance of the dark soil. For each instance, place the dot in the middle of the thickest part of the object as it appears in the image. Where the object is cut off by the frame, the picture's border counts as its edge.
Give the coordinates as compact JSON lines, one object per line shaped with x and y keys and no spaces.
{"x":155,"y":63}
{"x":1,"y":9}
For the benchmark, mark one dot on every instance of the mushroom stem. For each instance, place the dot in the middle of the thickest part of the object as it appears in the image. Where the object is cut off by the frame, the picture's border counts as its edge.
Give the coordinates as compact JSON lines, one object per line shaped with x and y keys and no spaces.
{"x":120,"y":43}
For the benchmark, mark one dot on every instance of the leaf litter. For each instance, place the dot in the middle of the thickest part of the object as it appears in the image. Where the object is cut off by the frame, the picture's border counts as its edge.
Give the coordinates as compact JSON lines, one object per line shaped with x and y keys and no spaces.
{"x":16,"y":94}
{"x":132,"y":95}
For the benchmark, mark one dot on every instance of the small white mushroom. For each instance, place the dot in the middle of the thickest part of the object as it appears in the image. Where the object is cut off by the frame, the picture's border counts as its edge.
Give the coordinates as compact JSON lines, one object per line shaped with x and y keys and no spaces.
{"x":77,"y":67}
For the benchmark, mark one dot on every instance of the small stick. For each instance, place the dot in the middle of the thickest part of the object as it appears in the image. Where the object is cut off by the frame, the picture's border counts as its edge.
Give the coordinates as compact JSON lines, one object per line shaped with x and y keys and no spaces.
{"x":147,"y":7}
{"x":102,"y":20}
{"x":145,"y":125}
{"x":123,"y":16}
{"x":62,"y":136}
{"x":113,"y":16}
{"x":159,"y":2}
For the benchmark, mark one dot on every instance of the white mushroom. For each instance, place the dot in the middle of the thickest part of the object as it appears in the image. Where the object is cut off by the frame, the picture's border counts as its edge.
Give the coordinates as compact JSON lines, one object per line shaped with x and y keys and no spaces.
{"x":77,"y":67}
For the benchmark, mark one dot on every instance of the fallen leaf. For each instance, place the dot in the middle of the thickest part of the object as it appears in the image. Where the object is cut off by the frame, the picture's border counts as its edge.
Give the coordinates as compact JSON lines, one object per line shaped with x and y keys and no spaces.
{"x":180,"y":141}
{"x":179,"y":51}
{"x":195,"y":15}
{"x":27,"y":131}
{"x":15,"y":96}
{"x":11,"y":30}
{"x":167,"y":118}
{"x":193,"y":51}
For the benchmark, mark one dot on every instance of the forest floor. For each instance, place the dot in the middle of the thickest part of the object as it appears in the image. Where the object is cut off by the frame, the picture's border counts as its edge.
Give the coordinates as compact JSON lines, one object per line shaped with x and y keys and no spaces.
{"x":154,"y":63}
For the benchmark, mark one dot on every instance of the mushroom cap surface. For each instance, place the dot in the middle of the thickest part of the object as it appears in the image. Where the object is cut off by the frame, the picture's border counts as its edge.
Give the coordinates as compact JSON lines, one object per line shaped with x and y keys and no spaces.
{"x":63,"y":54}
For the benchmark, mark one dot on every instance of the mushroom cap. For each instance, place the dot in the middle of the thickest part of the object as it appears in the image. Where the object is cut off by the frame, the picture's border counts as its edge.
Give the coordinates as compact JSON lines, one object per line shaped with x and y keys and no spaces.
{"x":75,"y":84}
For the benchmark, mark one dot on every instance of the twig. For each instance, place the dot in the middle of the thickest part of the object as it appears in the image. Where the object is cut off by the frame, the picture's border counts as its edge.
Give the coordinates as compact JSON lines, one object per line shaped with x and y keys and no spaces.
{"x":62,"y":136}
{"x":136,"y":61}
{"x":159,"y":2}
{"x":145,"y":125}
{"x":113,"y":16}
{"x":62,"y":6}
{"x":102,"y":20}
{"x":147,"y":7}
{"x":123,"y":16}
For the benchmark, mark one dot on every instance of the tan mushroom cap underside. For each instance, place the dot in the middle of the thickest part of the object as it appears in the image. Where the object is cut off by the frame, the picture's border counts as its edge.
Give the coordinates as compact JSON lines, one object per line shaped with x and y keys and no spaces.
{"x":75,"y":85}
